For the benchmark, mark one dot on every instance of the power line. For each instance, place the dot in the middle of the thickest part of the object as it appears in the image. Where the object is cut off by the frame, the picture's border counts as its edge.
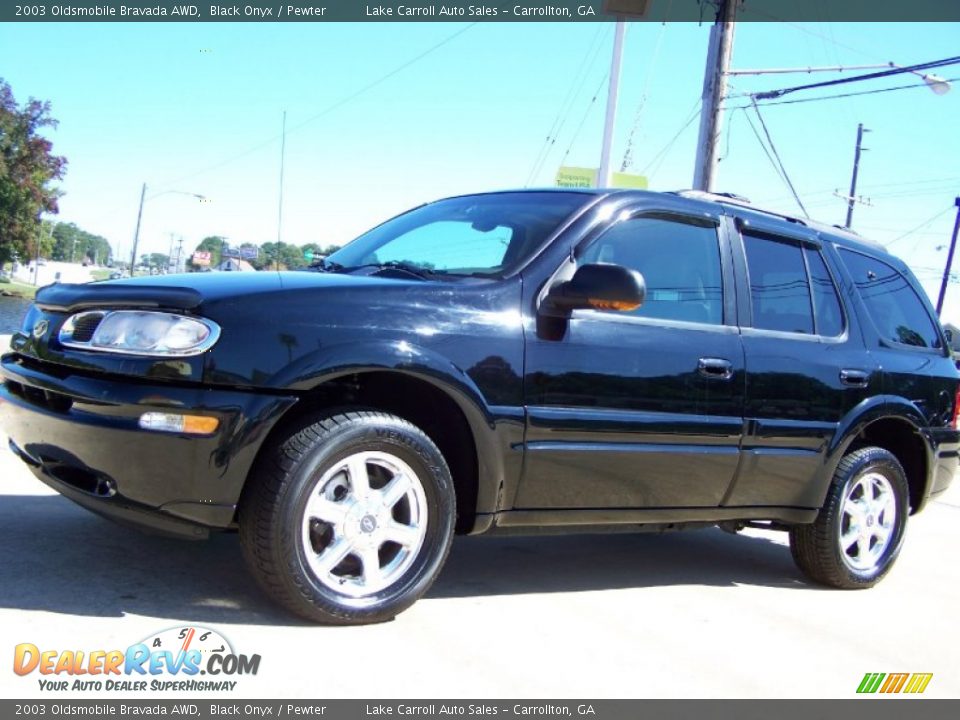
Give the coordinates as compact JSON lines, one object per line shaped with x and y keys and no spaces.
{"x":330,"y":108}
{"x":651,"y":67}
{"x":912,"y":86}
{"x":566,"y":107}
{"x":832,"y":40}
{"x":583,"y":120}
{"x":857,"y":78}
{"x":694,"y":114}
{"x":921,"y":225}
{"x":783,"y":170}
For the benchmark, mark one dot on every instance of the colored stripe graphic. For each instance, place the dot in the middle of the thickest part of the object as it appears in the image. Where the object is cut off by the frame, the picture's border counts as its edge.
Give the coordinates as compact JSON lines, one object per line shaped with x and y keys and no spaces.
{"x":918,"y":683}
{"x":895,"y":682}
{"x":914,"y":683}
{"x":870,"y":682}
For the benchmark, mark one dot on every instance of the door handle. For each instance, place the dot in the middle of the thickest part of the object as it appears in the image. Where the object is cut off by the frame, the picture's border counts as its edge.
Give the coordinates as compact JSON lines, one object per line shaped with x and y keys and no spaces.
{"x":715,"y":368}
{"x":854,"y":378}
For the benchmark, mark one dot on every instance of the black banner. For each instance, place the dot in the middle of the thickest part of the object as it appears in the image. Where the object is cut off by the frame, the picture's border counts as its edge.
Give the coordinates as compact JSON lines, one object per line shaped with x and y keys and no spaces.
{"x":475,"y":11}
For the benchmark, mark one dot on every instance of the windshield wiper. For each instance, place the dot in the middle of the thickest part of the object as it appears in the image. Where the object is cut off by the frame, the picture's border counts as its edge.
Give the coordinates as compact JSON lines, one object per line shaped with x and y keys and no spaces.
{"x":411,"y":268}
{"x":324,"y":265}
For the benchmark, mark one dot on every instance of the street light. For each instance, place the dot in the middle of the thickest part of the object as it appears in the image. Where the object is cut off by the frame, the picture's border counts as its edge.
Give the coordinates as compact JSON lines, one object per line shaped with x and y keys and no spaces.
{"x":144,"y":198}
{"x":936,"y":83}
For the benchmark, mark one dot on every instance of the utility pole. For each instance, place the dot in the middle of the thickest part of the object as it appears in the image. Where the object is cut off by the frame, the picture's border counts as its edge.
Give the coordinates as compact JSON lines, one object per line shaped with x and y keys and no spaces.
{"x":852,"y":198}
{"x":170,"y":253}
{"x":613,"y":89}
{"x":946,"y":270}
{"x":283,"y":147}
{"x":36,"y":260}
{"x":719,"y":53}
{"x":176,"y":267}
{"x":136,"y":233}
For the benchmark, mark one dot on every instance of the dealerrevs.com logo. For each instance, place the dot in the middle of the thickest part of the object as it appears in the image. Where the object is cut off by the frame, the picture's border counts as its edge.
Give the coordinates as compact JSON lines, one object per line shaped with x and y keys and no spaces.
{"x":179,"y":659}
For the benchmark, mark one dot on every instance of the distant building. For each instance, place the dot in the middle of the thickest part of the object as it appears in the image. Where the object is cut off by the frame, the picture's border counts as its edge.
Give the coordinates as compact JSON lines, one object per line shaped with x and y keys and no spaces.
{"x":953,"y":337}
{"x":235,"y":265}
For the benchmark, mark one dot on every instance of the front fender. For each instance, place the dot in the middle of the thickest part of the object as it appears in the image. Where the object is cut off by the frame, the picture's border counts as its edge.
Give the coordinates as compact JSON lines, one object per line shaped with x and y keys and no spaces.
{"x":489,"y":425}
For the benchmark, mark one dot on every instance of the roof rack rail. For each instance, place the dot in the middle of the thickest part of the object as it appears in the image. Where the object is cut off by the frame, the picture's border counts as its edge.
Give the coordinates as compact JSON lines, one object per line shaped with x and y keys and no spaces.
{"x":713,"y":195}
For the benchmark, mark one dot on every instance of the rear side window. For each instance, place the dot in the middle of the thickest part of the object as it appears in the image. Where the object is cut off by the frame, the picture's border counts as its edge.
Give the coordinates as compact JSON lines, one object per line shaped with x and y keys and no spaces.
{"x":894,"y":306}
{"x":779,"y":288}
{"x":826,"y":303}
{"x":791,"y":289}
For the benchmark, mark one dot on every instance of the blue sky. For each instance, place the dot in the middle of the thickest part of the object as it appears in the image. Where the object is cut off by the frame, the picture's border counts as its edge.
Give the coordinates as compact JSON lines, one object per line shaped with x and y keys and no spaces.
{"x":197,"y":107}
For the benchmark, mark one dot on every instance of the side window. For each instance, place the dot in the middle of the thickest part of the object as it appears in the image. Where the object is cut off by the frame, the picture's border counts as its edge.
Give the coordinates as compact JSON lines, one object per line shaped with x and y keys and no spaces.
{"x":679,"y":261}
{"x":779,"y":288}
{"x":826,"y":303}
{"x":895,"y":308}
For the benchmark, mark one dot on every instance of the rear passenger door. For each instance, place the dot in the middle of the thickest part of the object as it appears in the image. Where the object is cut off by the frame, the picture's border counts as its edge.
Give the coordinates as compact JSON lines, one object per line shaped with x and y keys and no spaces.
{"x":805,"y":369}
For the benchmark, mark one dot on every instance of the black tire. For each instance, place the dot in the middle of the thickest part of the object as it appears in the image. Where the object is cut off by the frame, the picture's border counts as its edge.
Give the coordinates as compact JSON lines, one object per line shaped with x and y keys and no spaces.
{"x":288,"y":549}
{"x":818,"y":548}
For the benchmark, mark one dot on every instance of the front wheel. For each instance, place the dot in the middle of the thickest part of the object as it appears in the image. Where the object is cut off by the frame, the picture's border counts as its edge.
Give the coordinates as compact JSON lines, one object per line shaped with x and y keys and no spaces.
{"x":350,"y":519}
{"x":858,"y":533}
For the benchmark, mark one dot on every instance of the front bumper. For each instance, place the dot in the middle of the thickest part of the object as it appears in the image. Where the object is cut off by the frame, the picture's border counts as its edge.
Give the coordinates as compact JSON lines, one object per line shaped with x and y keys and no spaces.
{"x":79,"y":434}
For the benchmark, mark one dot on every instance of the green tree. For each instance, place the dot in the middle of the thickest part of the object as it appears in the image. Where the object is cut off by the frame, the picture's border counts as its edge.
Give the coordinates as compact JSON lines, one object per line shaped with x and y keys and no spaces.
{"x":43,"y":234}
{"x":72,"y":244}
{"x":27,"y":169}
{"x":212,"y":244}
{"x":284,"y":255}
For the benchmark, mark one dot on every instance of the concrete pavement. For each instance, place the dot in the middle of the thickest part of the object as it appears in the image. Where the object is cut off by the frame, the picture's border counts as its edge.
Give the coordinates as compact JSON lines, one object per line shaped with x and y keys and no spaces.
{"x":696,"y":614}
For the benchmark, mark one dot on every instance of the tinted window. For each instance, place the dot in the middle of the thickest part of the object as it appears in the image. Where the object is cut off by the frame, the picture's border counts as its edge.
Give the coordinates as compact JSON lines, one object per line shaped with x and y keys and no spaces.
{"x":779,"y":290}
{"x":826,"y":304}
{"x":484,"y":234}
{"x":680,"y":264}
{"x":895,"y":308}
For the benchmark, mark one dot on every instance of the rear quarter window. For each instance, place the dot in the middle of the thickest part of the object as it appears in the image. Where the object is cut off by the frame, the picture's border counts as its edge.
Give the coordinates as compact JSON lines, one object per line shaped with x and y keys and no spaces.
{"x":894,"y":306}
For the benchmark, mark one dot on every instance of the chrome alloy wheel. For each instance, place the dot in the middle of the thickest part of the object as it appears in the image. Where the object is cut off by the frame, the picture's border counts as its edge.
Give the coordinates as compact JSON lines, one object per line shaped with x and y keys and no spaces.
{"x":364,"y":523}
{"x":868,"y":519}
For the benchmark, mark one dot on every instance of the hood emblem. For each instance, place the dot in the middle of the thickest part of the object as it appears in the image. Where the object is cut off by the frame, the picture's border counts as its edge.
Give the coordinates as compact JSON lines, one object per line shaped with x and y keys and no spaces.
{"x":40,"y":329}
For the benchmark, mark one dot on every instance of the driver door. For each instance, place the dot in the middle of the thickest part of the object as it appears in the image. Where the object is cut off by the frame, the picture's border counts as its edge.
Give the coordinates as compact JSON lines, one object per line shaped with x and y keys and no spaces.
{"x":641,"y":409}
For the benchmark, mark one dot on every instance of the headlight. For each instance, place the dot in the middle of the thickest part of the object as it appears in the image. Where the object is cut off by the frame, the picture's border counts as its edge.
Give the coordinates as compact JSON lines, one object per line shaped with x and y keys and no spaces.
{"x":135,"y":332}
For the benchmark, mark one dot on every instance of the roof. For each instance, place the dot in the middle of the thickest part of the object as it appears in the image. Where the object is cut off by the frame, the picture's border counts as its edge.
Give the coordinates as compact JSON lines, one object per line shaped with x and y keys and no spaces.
{"x":844,"y":235}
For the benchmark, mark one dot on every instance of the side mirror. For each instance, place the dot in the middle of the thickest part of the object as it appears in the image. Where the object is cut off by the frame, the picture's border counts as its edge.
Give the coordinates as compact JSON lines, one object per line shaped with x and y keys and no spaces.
{"x":598,"y":286}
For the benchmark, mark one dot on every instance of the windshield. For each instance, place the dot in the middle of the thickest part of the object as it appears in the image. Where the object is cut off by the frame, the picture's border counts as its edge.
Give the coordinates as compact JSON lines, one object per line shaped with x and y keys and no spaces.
{"x":487,"y":235}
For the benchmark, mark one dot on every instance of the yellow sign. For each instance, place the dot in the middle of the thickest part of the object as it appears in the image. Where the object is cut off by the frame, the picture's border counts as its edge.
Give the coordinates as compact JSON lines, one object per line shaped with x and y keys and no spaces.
{"x":628,"y":181}
{"x":577,"y":177}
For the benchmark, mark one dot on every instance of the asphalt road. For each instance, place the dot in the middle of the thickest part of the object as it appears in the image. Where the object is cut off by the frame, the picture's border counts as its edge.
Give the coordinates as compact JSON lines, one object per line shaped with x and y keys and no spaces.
{"x":696,"y":614}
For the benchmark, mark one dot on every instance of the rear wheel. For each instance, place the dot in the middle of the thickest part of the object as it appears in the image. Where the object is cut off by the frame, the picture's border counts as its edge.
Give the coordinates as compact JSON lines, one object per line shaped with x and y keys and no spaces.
{"x":858,"y":534}
{"x":349,"y":519}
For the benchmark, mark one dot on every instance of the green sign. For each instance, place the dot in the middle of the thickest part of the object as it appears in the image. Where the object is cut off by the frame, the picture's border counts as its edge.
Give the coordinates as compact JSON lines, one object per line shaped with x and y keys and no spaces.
{"x":308,"y":254}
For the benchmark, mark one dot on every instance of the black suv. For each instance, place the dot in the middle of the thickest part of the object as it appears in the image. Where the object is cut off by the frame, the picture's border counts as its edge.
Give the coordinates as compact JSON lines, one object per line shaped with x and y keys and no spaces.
{"x":501,"y":362}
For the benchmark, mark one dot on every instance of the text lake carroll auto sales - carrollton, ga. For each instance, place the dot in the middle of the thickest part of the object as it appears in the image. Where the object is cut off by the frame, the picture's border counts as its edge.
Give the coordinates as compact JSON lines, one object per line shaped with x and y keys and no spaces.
{"x":169,"y":660}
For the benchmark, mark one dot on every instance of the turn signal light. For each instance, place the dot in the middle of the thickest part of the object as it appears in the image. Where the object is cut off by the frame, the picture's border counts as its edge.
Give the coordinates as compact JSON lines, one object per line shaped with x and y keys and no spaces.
{"x":956,"y":409}
{"x":173,"y":422}
{"x":612,"y":305}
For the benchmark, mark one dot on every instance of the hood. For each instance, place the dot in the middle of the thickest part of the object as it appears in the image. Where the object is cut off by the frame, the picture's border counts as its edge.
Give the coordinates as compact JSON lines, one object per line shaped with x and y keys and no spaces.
{"x":190,"y":291}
